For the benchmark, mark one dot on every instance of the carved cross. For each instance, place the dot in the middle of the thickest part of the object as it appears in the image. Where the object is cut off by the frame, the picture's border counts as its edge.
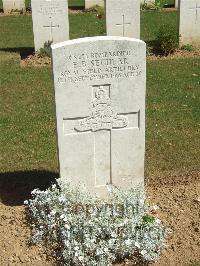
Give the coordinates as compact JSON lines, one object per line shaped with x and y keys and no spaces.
{"x":123,"y":24}
{"x":197,"y":9}
{"x":51,"y":27}
{"x":100,"y":124}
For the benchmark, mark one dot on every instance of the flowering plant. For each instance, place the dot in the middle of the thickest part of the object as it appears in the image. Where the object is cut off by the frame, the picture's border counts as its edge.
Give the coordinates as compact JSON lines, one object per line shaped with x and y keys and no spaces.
{"x":88,"y":230}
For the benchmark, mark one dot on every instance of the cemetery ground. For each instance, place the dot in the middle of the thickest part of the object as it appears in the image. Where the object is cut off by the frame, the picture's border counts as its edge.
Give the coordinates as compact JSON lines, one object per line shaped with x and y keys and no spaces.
{"x":28,"y":143}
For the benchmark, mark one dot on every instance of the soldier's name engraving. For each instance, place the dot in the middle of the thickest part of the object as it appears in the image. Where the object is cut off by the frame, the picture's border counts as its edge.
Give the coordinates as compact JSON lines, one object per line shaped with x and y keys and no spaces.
{"x":100,"y":65}
{"x":50,"y":9}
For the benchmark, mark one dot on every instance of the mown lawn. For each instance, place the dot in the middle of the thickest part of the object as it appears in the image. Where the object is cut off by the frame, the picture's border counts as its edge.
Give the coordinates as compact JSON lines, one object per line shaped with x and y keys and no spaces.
{"x":16,"y":31}
{"x":28,"y":120}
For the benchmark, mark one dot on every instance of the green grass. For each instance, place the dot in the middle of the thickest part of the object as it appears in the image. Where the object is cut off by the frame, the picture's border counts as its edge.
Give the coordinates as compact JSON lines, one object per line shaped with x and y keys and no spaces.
{"x":76,"y":3}
{"x":28,"y":119}
{"x":16,"y":31}
{"x":152,"y":20}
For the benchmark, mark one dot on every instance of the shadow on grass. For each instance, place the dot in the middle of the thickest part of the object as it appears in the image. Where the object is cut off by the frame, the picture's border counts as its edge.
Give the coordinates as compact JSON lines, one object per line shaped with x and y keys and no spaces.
{"x":16,"y":187}
{"x":76,"y":7}
{"x":153,"y":47}
{"x":168,"y":6}
{"x":23,"y":51}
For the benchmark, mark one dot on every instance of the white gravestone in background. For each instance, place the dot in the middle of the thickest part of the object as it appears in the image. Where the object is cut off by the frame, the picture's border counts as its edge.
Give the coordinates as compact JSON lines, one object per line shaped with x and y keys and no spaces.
{"x":176,"y":3}
{"x":91,"y":3}
{"x":14,"y":5}
{"x":123,"y":18}
{"x":50,"y":21}
{"x":189,"y":22}
{"x":100,"y":108}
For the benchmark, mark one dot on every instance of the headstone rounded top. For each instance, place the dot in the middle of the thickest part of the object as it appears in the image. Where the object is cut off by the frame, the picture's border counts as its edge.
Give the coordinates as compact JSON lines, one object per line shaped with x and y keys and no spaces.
{"x":96,"y":39}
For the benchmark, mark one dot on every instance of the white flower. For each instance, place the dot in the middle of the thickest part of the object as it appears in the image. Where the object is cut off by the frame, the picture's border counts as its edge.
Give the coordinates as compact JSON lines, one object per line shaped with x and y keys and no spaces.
{"x":157,"y":220}
{"x":67,"y":226}
{"x":128,"y":242}
{"x":137,"y":244}
{"x":143,"y":252}
{"x":53,"y":212}
{"x":80,"y":258}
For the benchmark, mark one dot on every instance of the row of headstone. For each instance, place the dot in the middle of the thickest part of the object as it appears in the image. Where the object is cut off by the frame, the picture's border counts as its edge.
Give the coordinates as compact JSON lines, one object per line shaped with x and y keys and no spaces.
{"x":19,"y":5}
{"x":50,"y":20}
{"x":13,"y":5}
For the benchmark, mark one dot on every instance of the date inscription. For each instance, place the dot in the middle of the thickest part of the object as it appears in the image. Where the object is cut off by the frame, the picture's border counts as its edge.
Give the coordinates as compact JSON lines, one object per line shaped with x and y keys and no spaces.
{"x":99,"y":66}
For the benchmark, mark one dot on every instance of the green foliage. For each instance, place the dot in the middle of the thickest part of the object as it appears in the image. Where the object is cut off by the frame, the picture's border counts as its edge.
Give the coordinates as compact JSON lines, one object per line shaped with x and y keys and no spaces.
{"x":46,"y":51}
{"x":148,"y":219}
{"x":87,"y":230}
{"x":149,"y":50}
{"x":98,"y":10}
{"x":151,"y":6}
{"x":167,"y":39}
{"x":187,"y":47}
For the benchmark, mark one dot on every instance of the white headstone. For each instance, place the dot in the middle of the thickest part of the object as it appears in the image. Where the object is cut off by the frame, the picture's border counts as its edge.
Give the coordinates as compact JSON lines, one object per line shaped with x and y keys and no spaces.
{"x":100,"y":108}
{"x":50,"y":21}
{"x":123,"y":18}
{"x":91,"y":3}
{"x":14,"y":5}
{"x":189,"y":22}
{"x":176,"y":3}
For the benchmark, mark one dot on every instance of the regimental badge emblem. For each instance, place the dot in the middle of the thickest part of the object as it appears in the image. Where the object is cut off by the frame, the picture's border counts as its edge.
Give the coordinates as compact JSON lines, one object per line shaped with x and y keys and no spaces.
{"x":102,"y":116}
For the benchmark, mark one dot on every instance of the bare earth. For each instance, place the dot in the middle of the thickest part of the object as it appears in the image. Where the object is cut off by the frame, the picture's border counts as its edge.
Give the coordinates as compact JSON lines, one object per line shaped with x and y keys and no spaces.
{"x":38,"y":61}
{"x":179,"y":202}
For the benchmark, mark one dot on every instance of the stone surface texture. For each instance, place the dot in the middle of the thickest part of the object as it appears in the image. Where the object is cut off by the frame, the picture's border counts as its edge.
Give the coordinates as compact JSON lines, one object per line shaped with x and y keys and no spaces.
{"x":123,"y":18}
{"x":14,"y":5}
{"x":189,"y":22}
{"x":91,"y":3}
{"x":100,"y":108}
{"x":50,"y":21}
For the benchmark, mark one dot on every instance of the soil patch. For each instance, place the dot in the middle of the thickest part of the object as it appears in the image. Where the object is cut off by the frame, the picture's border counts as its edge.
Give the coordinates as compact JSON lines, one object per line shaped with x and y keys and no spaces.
{"x":35,"y":61}
{"x":177,"y":54}
{"x":38,"y":61}
{"x":176,"y":195}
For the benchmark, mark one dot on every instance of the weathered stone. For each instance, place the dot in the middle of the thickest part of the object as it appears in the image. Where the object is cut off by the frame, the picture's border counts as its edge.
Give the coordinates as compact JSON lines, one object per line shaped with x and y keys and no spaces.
{"x":189,"y":22}
{"x":100,"y":108}
{"x":123,"y":18}
{"x":50,"y":21}
{"x":14,"y":5}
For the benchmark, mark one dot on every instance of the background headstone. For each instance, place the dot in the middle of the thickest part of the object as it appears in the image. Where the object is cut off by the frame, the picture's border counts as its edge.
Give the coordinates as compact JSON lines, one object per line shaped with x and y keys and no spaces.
{"x":189,"y":22}
{"x":176,"y":3}
{"x":50,"y":21}
{"x":100,"y":108}
{"x":123,"y":18}
{"x":14,"y":5}
{"x":91,"y":3}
